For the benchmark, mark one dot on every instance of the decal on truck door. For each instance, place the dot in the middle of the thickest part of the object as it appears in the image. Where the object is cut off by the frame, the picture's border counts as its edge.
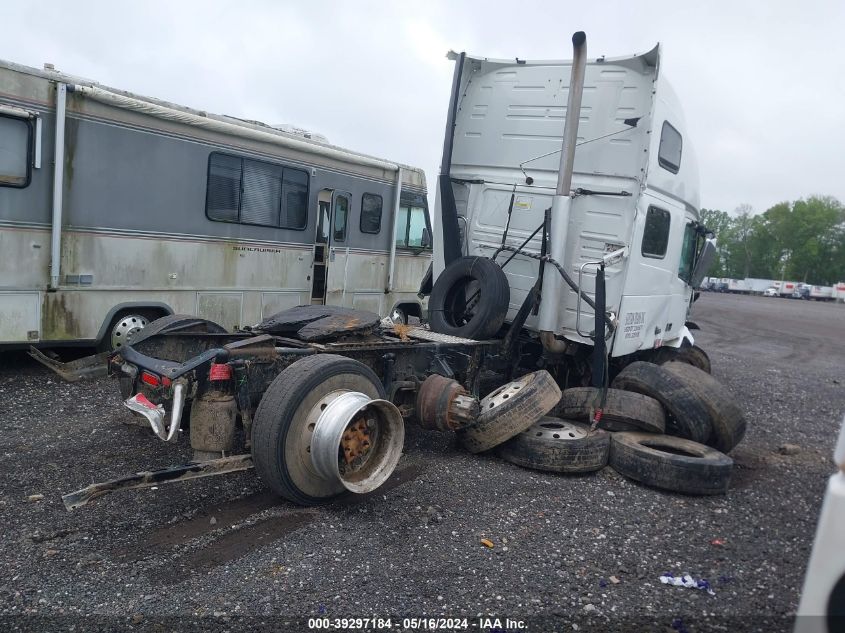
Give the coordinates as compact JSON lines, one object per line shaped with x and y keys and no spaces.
{"x":633,"y":324}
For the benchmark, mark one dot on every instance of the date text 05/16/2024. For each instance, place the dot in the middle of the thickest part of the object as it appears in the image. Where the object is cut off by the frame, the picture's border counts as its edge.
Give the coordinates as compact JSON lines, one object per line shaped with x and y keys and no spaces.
{"x":423,"y":624}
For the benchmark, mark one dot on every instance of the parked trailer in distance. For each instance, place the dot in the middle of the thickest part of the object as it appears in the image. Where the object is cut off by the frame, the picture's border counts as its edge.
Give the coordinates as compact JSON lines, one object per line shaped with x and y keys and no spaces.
{"x":786,"y":288}
{"x":155,"y":208}
{"x":821,"y":293}
{"x":738,"y":286}
{"x":758,"y":286}
{"x":839,"y":292}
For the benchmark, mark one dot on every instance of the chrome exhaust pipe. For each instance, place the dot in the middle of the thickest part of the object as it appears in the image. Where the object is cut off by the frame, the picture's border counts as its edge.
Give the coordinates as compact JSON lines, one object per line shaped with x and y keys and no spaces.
{"x":552,"y":291}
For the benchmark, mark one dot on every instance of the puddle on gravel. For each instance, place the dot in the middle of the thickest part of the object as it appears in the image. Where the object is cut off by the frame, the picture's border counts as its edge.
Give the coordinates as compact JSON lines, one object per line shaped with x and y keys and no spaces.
{"x":233,"y":544}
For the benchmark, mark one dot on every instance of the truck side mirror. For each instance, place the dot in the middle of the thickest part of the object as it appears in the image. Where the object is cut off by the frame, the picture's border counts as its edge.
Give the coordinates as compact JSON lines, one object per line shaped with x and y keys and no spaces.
{"x":702,"y":266}
{"x":426,"y":238}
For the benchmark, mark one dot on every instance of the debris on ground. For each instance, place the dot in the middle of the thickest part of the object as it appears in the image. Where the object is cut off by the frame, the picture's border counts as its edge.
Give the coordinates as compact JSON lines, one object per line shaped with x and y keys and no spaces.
{"x":36,"y":497}
{"x":789,"y":449}
{"x":687,"y":581}
{"x":486,"y":542}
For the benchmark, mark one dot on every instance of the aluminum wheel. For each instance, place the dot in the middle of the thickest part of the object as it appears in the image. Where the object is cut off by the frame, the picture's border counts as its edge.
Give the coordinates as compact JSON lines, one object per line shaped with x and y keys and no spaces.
{"x":126,"y":328}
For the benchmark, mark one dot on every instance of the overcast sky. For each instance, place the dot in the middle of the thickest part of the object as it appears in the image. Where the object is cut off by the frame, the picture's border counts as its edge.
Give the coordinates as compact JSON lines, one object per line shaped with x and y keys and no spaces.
{"x":762,"y":83}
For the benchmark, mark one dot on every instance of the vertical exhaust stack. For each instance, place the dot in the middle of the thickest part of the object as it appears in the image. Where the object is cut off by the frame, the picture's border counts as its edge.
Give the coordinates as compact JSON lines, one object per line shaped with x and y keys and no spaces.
{"x":550,"y":304}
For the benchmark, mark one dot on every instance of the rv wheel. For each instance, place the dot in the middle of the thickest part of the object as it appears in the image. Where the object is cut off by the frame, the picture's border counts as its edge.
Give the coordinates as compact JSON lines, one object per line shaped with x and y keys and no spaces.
{"x":510,"y":410}
{"x":469,"y":299}
{"x":689,"y":414}
{"x":560,"y":446}
{"x":323,"y":427}
{"x":727,"y":418}
{"x":671,"y":463}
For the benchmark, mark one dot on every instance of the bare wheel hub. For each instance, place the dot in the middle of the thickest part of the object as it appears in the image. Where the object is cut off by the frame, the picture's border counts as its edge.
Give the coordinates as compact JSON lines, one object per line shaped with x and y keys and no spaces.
{"x":554,"y":429}
{"x":356,"y":440}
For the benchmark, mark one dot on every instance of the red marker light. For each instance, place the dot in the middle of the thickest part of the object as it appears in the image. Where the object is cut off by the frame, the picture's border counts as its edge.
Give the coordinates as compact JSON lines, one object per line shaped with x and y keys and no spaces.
{"x":150,"y":379}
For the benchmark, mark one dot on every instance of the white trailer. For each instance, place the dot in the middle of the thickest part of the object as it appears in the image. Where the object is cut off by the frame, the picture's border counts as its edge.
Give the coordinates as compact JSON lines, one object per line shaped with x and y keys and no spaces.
{"x":758,"y":286}
{"x":786,"y":288}
{"x":821,"y":293}
{"x":838,"y":293}
{"x":116,"y":209}
{"x":738,"y":286}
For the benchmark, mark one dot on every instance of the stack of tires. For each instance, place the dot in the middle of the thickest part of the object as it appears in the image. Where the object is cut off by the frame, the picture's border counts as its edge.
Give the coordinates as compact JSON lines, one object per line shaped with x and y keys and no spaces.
{"x":668,"y":426}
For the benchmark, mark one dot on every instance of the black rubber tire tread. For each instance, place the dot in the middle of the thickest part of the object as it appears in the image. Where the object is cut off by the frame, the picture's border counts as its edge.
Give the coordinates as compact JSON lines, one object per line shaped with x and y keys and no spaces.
{"x":275,"y":415}
{"x":694,"y":356}
{"x":582,"y":455}
{"x":174,"y":321}
{"x":623,"y":410}
{"x":727,"y":419}
{"x":690,"y":415}
{"x":705,"y":471}
{"x":537,"y":396}
{"x":492,"y":306}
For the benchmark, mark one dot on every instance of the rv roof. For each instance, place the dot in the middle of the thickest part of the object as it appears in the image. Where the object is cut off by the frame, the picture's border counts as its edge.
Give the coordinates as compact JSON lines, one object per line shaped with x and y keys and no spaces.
{"x":288,"y":131}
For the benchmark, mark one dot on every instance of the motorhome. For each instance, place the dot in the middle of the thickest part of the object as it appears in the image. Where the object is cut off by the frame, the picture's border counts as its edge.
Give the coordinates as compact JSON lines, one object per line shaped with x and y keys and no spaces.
{"x":116,"y":209}
{"x":627,"y":210}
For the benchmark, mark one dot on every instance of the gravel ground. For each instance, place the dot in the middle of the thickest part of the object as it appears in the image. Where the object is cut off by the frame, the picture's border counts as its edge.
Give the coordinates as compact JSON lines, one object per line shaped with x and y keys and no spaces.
{"x":570,"y":553}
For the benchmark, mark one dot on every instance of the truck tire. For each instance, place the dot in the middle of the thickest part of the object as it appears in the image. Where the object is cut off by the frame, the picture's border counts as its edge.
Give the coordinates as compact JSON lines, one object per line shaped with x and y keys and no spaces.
{"x":509,"y":410}
{"x":726,"y":417}
{"x":469,"y":299}
{"x":623,"y":410}
{"x":694,"y":356}
{"x":559,"y":446}
{"x":671,"y":463}
{"x":281,"y":437}
{"x":689,"y":414}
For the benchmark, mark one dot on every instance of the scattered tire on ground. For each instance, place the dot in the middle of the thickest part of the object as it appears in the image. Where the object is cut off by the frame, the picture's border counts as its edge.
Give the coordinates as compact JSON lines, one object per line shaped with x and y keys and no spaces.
{"x":694,"y":356}
{"x":671,"y":463}
{"x":509,"y":410}
{"x":469,"y":299}
{"x":561,"y":446}
{"x":690,"y":415}
{"x":726,"y":417}
{"x":623,"y":410}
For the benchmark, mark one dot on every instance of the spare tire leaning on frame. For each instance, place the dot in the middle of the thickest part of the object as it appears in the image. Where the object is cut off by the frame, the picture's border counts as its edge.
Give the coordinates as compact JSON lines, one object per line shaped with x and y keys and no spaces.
{"x":469,"y":299}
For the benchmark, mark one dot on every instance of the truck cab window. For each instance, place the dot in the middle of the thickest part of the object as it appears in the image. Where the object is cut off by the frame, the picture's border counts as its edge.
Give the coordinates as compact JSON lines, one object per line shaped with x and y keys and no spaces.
{"x":669,"y":152}
{"x":656,"y":233}
{"x":14,"y":152}
{"x":687,"y":253}
{"x":416,"y":224}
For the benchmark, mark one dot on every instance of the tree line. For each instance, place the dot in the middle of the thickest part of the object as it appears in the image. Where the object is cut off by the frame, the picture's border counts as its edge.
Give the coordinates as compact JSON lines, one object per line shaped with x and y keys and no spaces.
{"x":799,"y":241}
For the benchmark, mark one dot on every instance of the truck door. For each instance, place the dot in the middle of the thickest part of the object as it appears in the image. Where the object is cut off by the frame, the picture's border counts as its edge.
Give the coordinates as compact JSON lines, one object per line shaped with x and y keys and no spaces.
{"x":328,"y":276}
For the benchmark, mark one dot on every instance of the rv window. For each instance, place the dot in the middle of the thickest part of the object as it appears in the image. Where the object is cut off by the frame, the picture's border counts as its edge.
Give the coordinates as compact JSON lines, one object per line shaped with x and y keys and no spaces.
{"x":371,"y":213}
{"x":669,"y":153}
{"x":416,"y":224}
{"x":14,"y":152}
{"x":254,"y":192}
{"x":341,"y":213}
{"x":262,"y":191}
{"x":294,"y":199}
{"x":223,"y":197}
{"x":688,"y":253}
{"x":656,"y":233}
{"x":402,"y":227}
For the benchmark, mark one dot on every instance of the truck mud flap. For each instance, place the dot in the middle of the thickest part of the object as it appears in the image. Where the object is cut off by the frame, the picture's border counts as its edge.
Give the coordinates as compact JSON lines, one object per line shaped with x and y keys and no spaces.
{"x":90,"y":367}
